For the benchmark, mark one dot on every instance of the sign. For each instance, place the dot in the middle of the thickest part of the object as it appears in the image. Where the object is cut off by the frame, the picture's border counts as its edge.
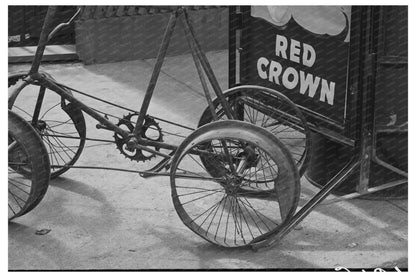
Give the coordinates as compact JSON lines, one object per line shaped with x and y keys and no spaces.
{"x":302,"y":51}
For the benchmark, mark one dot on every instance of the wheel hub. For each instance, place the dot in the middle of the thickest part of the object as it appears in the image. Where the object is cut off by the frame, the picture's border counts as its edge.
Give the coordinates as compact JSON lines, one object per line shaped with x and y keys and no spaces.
{"x":40,"y":125}
{"x":232,"y":184}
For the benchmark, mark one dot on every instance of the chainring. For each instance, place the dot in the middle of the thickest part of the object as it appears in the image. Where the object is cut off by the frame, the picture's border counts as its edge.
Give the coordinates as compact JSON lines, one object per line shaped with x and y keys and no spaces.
{"x":150,"y":131}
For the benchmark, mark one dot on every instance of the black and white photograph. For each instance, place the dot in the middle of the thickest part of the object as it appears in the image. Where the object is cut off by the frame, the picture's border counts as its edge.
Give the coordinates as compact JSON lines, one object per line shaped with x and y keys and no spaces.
{"x":208,"y":137}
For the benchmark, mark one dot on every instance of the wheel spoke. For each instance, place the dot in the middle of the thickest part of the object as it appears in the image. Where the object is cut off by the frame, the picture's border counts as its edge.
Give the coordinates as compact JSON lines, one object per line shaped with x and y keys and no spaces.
{"x":250,"y":206}
{"x":16,"y":200}
{"x":19,"y":183}
{"x":13,"y":211}
{"x":207,"y":210}
{"x":259,"y":214}
{"x":48,"y":110}
{"x":53,"y":123}
{"x":60,"y":123}
{"x":16,"y":186}
{"x":196,"y":192}
{"x":63,"y":146}
{"x":16,"y":107}
{"x":199,"y":198}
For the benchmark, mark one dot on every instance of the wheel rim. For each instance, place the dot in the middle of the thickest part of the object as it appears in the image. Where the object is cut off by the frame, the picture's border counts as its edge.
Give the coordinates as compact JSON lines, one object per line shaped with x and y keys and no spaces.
{"x":61,"y":129}
{"x":227,"y":211}
{"x":276,"y":115}
{"x":19,"y":178}
{"x":28,"y":167}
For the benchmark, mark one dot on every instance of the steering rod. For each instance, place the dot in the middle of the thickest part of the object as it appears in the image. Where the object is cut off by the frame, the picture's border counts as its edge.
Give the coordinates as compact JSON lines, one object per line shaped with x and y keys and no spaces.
{"x":61,"y":25}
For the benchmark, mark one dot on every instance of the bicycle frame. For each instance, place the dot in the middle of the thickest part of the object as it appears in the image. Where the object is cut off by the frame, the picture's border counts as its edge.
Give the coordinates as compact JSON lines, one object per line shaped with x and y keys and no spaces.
{"x":135,"y":138}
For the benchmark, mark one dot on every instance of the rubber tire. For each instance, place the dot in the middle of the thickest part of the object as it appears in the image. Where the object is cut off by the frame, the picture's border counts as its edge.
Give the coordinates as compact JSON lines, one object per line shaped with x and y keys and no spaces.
{"x":31,"y":143}
{"x":263,"y":139}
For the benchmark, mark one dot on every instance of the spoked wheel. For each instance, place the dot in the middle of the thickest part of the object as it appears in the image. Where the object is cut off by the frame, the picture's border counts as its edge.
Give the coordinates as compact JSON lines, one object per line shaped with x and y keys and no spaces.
{"x":228,"y":208}
{"x":28,"y":167}
{"x":271,"y":110}
{"x":60,"y":124}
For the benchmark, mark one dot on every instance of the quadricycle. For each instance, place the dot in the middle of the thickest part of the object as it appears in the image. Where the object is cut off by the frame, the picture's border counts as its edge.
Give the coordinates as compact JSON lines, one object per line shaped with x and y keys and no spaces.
{"x":235,"y":177}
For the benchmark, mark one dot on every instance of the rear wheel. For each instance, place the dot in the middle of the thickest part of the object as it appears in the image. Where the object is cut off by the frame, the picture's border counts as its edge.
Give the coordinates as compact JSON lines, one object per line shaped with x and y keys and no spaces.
{"x":28,"y":167}
{"x":271,"y":110}
{"x":226,"y":205}
{"x":61,"y":125}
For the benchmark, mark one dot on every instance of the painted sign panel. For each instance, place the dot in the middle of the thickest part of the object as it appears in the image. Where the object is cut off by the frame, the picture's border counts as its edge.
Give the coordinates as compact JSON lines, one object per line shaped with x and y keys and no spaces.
{"x":302,"y":51}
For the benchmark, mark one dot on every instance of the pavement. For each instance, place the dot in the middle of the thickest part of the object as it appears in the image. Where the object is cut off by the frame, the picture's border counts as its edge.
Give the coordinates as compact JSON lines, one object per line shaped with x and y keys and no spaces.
{"x":116,"y":220}
{"x":52,"y":53}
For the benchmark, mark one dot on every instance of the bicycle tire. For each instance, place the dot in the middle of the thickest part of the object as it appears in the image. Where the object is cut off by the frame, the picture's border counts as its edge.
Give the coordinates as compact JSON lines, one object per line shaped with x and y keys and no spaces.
{"x":212,"y":206}
{"x":26,"y":149}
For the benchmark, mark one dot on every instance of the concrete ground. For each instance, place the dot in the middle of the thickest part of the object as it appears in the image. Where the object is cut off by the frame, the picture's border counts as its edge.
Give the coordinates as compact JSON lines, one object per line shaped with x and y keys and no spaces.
{"x":115,"y":220}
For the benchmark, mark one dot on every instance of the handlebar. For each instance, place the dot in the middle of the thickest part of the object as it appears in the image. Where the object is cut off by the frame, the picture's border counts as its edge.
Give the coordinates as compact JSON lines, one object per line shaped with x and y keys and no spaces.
{"x":61,"y":25}
{"x":45,"y":37}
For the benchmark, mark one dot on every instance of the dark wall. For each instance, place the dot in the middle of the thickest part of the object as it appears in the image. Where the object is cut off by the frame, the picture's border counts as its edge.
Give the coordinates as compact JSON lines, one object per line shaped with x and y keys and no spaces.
{"x":392,"y":81}
{"x":25,"y":25}
{"x":120,"y":33}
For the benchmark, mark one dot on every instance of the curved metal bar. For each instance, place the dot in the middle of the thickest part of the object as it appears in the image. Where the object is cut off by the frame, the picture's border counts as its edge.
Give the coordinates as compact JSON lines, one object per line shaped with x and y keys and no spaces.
{"x":389,"y":166}
{"x":352,"y":165}
{"x":16,"y":90}
{"x":300,"y":121}
{"x":57,"y":28}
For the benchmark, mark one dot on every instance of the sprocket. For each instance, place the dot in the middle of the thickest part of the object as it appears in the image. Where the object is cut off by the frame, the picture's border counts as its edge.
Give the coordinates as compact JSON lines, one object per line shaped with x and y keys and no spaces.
{"x":150,"y":131}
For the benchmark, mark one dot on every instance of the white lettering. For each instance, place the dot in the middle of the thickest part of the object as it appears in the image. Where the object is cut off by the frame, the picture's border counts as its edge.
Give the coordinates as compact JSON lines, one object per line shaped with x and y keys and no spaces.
{"x":274,"y":72}
{"x":309,"y":55}
{"x":290,"y":84}
{"x":262,"y":62}
{"x":294,"y":50}
{"x":308,"y":82}
{"x":281,"y":46}
{"x":327,"y":92}
{"x":291,"y":78}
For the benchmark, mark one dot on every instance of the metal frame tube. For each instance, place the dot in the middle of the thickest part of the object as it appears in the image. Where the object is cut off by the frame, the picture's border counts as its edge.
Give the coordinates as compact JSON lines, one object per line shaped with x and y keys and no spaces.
{"x":369,"y":191}
{"x":43,"y":39}
{"x":201,"y":76}
{"x":38,"y":105}
{"x":190,"y":34}
{"x":155,"y":74}
{"x":50,"y":84}
{"x":309,"y":206}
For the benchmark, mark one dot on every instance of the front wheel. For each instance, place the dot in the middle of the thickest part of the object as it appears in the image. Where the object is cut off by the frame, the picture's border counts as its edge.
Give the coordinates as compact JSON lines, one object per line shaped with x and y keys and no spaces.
{"x":228,"y":208}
